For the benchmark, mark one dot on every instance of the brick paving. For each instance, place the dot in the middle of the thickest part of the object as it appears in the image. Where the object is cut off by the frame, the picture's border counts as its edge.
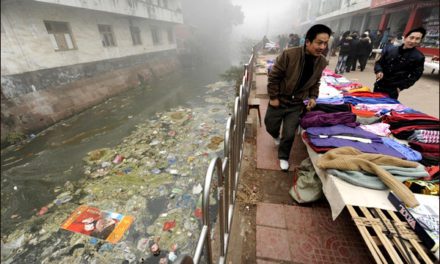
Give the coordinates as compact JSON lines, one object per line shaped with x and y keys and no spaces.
{"x":298,"y":234}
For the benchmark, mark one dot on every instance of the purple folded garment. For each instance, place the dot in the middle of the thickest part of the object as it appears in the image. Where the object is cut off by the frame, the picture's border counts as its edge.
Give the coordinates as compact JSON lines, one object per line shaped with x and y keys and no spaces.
{"x":342,"y":130}
{"x":376,"y":146}
{"x":320,"y":119}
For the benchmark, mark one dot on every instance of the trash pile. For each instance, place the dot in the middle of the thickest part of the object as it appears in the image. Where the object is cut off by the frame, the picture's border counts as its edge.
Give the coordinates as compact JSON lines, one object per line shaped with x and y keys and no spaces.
{"x":156,"y":175}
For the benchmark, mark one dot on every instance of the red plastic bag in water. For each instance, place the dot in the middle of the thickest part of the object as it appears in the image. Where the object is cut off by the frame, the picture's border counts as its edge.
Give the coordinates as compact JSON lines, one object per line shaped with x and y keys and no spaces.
{"x":169,"y":225}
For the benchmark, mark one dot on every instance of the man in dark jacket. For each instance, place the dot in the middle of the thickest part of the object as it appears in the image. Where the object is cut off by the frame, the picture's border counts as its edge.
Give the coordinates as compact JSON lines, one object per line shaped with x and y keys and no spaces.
{"x":364,"y":49}
{"x":399,"y":67}
{"x":344,"y":50}
{"x":352,"y":53}
{"x":294,"y":77}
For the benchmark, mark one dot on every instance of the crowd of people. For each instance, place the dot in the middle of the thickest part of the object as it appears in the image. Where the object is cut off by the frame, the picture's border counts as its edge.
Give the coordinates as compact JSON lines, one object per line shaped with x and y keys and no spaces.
{"x":354,"y":48}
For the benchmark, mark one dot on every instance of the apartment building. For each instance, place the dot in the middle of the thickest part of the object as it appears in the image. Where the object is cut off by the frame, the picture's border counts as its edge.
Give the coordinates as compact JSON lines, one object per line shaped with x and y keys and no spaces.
{"x":90,"y":49}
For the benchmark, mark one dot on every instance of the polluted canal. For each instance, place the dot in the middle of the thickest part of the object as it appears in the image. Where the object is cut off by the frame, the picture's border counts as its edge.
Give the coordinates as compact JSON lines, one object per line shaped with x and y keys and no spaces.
{"x":142,"y":155}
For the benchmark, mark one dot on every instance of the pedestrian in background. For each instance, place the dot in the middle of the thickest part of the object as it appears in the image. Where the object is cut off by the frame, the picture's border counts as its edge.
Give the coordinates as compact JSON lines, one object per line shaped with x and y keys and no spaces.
{"x":344,"y":45}
{"x":399,"y":67}
{"x":294,"y":77}
{"x":364,"y":49}
{"x":330,"y":46}
{"x":335,"y":44}
{"x":293,"y":41}
{"x":302,"y":40}
{"x":385,"y":38}
{"x":377,"y":39}
{"x":352,"y":53}
{"x":282,"y":40}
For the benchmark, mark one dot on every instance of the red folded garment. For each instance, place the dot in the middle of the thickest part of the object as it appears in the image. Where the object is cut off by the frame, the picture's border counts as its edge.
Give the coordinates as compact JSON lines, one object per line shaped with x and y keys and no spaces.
{"x":367,"y":94}
{"x":362,"y":113}
{"x":395,"y":117}
{"x":431,"y":149}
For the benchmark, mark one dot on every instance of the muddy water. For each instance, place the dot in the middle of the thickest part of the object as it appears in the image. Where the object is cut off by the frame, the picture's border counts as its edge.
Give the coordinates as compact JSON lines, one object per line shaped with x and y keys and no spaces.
{"x":31,"y":172}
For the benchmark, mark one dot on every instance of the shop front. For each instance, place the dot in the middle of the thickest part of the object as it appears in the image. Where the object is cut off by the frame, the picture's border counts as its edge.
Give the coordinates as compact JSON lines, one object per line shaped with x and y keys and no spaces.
{"x":400,"y":16}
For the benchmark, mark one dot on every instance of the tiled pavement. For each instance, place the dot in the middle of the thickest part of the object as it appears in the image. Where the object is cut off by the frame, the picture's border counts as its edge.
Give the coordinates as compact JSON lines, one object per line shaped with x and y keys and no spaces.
{"x":297,"y":234}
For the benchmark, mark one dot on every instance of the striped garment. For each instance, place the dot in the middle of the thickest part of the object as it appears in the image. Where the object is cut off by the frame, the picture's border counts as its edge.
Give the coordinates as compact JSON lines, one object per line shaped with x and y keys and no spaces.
{"x":426,"y":136}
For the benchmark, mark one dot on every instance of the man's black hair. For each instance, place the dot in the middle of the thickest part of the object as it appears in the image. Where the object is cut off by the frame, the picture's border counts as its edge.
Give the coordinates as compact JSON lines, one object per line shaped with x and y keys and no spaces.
{"x":419,"y":29}
{"x":317,"y":29}
{"x":346,"y":34}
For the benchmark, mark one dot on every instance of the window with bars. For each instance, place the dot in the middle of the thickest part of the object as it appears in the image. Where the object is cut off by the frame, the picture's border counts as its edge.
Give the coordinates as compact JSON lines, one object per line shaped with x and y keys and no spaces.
{"x":170,"y":35}
{"x":107,"y":37}
{"x":155,"y":36}
{"x":60,"y":35}
{"x":136,"y":35}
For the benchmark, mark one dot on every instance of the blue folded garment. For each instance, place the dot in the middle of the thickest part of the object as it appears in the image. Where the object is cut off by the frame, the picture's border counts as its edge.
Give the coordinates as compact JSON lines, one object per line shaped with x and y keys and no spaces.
{"x":354,"y":100}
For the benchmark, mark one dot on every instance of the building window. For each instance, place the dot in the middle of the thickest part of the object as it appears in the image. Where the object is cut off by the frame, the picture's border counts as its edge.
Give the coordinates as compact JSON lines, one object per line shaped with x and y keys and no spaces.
{"x":60,"y":35}
{"x":163,"y":3}
{"x":132,"y":3}
{"x":170,"y":35}
{"x":136,"y":35}
{"x":107,"y":38}
{"x":155,"y":35}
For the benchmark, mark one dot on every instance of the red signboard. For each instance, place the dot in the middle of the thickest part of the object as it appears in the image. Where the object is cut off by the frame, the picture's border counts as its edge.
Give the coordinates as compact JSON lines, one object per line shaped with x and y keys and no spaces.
{"x":378,"y":3}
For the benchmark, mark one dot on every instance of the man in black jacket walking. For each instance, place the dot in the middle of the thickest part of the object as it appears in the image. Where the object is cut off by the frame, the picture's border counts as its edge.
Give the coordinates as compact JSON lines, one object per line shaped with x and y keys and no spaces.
{"x":364,"y":49}
{"x":399,"y":67}
{"x":344,"y":43}
{"x":352,"y":53}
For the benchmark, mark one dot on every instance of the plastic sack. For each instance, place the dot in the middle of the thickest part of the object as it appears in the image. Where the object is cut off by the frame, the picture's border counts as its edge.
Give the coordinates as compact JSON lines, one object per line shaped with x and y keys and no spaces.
{"x":307,"y":186}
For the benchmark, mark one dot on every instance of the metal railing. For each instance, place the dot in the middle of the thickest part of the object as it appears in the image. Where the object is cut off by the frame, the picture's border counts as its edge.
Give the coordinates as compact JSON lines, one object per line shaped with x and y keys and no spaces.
{"x":228,"y":172}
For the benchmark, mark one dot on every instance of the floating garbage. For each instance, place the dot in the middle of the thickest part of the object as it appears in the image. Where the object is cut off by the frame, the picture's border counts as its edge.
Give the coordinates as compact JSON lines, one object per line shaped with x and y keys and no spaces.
{"x":169,"y":225}
{"x":118,"y":159}
{"x":171,"y":159}
{"x":155,"y":250}
{"x":91,"y":221}
{"x":63,"y":198}
{"x":198,"y":213}
{"x":142,"y":244}
{"x":43,"y":210}
{"x":197,"y":189}
{"x":156,"y":171}
{"x":172,"y":256}
{"x":153,"y":175}
{"x":105,"y":164}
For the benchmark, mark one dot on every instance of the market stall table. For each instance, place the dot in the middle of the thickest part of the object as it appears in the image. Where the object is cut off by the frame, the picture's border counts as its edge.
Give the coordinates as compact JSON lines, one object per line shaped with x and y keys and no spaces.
{"x":374,"y":216}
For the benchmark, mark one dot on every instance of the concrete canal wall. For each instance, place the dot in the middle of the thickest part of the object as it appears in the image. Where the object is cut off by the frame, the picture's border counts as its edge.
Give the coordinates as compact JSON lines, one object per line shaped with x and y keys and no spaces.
{"x":43,"y":97}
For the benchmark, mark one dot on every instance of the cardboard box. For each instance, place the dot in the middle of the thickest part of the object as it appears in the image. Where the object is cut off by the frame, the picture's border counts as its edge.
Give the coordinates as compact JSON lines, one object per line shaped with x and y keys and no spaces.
{"x":423,"y":219}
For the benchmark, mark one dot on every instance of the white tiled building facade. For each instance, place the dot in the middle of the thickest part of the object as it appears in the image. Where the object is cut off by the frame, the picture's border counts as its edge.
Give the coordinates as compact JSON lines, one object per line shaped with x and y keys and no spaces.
{"x":41,"y":34}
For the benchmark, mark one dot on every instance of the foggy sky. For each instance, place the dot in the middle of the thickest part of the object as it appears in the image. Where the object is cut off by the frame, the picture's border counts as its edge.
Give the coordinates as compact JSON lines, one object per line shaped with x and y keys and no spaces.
{"x":267,"y":17}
